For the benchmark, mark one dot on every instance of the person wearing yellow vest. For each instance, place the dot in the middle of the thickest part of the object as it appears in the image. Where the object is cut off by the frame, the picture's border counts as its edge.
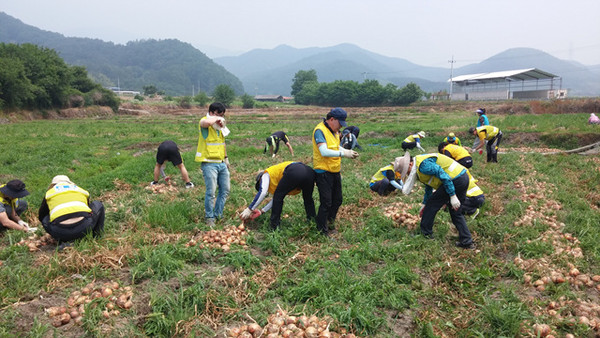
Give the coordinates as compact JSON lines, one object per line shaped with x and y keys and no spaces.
{"x":387,"y":179}
{"x":327,"y":162}
{"x":457,"y":153}
{"x":286,"y":178}
{"x":414,"y":140}
{"x":212,"y":154}
{"x":12,"y":206}
{"x":492,"y":135}
{"x":452,"y":139}
{"x":474,"y":199}
{"x":450,"y":181}
{"x":67,"y":214}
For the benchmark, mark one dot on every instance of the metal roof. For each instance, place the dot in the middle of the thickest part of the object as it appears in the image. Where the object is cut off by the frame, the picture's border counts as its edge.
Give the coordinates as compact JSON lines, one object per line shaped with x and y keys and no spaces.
{"x":507,"y":75}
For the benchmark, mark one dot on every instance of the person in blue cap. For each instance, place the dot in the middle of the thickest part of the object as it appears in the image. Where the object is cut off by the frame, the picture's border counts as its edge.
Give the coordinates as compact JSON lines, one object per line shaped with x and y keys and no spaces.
{"x":327,"y":160}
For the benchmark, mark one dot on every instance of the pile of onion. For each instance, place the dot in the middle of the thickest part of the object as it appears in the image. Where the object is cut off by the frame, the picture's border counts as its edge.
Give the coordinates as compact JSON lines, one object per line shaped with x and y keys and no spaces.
{"x":398,"y":212}
{"x":162,"y":188}
{"x":281,"y":324}
{"x":118,"y":298}
{"x":34,"y":242}
{"x":221,"y":239}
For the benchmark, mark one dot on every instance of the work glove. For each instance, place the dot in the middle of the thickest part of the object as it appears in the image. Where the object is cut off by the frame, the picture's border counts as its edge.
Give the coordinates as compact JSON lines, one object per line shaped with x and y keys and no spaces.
{"x":227,"y":162}
{"x":455,"y":202}
{"x":255,"y":214}
{"x":23,"y":223}
{"x":348,"y":153}
{"x":31,"y":229}
{"x":273,"y":156}
{"x":421,"y":210}
{"x":420,"y":148}
{"x":246,"y":214}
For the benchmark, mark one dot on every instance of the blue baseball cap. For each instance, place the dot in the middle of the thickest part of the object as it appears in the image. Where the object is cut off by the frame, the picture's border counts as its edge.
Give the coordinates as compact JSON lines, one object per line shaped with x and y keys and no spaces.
{"x":340,"y":115}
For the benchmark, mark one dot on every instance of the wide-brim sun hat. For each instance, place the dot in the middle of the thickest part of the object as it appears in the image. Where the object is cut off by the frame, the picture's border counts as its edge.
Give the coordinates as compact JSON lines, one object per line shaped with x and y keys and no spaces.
{"x":401,"y":164}
{"x":14,"y":189}
{"x":421,"y":133}
{"x":61,"y":179}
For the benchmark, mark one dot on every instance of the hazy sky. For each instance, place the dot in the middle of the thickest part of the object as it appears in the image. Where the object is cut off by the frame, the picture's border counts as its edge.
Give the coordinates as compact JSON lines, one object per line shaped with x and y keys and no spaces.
{"x":425,"y":32}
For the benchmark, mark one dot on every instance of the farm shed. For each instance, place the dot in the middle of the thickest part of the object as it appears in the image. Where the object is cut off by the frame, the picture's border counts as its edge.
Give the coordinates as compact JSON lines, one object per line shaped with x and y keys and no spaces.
{"x":272,"y":98}
{"x":523,"y":84}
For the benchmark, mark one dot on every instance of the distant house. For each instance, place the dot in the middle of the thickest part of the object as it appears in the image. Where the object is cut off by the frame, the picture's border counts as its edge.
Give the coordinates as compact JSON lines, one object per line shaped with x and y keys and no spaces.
{"x":271,"y":98}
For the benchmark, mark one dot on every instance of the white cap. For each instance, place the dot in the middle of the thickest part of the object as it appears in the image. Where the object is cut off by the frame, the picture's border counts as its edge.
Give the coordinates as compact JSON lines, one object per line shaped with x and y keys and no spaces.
{"x":61,"y":178}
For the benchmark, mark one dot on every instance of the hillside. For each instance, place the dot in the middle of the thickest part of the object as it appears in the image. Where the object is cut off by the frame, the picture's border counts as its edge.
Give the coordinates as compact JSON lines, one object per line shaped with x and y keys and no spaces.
{"x":171,"y":65}
{"x":272,"y":71}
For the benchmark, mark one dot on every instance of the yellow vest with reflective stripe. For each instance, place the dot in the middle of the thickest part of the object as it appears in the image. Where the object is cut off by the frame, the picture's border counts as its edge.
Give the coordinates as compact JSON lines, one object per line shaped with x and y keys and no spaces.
{"x":66,"y":198}
{"x":211,"y":149}
{"x":450,"y":166}
{"x":276,"y":173}
{"x":457,"y":152}
{"x":412,"y":138}
{"x":487,"y":132}
{"x":379,"y":174}
{"x":473,"y":190}
{"x":6,"y":200}
{"x":330,"y":164}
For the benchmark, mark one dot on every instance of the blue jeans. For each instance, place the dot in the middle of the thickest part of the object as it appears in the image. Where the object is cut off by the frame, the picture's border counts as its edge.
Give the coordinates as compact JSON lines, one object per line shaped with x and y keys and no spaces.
{"x":215,"y":175}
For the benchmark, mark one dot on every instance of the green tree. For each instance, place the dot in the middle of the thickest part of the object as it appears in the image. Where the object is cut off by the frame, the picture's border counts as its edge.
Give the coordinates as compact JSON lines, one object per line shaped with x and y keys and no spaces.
{"x":149,"y":90}
{"x":308,"y":94}
{"x":371,"y":93}
{"x":15,"y":88}
{"x":247,"y":101}
{"x":201,"y":98}
{"x":301,"y":78}
{"x":224,"y":94}
{"x":407,"y":94}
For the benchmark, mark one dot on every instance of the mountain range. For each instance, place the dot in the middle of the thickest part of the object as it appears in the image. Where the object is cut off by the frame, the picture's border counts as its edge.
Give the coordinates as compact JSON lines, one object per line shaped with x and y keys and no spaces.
{"x":180,"y":69}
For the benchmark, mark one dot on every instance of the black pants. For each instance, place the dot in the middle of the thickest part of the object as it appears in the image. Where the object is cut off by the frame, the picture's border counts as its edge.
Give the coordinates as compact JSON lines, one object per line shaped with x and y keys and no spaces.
{"x":492,"y":148}
{"x":471,"y":204}
{"x":295,"y":176}
{"x":408,"y":145}
{"x":466,"y":162}
{"x":92,"y":223}
{"x":440,"y":198}
{"x":383,"y":187}
{"x":330,"y":195}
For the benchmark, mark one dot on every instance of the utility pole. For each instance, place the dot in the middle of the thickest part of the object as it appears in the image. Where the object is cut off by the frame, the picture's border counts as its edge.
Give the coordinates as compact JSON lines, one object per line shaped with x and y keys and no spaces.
{"x":451,"y":70}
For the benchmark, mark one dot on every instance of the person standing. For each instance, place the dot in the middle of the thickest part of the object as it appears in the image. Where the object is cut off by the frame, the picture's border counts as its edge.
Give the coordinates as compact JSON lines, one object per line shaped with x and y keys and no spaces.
{"x":273,"y":143}
{"x":327,"y":160}
{"x":12,"y":205}
{"x":413,"y":140}
{"x":67,"y":214}
{"x":452,"y":139}
{"x":211,"y":152}
{"x":482,"y":120}
{"x":386,"y":179}
{"x":457,"y":153}
{"x":168,"y":151}
{"x":286,"y":178}
{"x":450,"y":181}
{"x":491,"y":137}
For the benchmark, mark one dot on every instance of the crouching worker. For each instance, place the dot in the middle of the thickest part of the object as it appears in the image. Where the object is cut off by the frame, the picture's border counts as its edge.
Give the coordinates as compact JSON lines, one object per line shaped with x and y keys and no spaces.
{"x":474,"y":199}
{"x":273,"y":143}
{"x":450,"y":181}
{"x":168,"y":151}
{"x":457,"y":153}
{"x":414,"y":140}
{"x":286,"y":178}
{"x":350,"y":138}
{"x":387,"y":179}
{"x":67,"y":214}
{"x":12,"y":206}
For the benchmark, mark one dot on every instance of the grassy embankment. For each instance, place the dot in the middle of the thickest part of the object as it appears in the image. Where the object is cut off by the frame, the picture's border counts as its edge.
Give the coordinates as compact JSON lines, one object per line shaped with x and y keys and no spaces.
{"x":376,"y":278}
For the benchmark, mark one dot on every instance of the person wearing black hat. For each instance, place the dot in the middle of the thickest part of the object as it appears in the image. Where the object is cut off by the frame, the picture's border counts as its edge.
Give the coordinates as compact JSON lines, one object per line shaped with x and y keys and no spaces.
{"x":327,"y":162}
{"x":67,"y":214}
{"x":286,"y":178}
{"x":12,"y":206}
{"x":273,"y":143}
{"x":168,"y":151}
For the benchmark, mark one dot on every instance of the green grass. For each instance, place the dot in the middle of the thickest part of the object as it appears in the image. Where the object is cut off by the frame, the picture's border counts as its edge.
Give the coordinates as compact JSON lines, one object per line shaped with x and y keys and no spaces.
{"x":375,"y":278}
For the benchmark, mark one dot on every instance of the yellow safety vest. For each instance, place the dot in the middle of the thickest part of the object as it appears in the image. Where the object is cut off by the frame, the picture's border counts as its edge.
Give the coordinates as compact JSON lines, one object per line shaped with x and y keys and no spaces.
{"x":8,"y":201}
{"x":450,"y":166}
{"x":379,"y":174}
{"x":66,"y":198}
{"x":457,"y":152}
{"x":473,"y":190}
{"x":211,"y":149}
{"x":487,"y":132}
{"x":276,"y":173}
{"x":412,"y":138}
{"x":456,"y":140}
{"x":330,"y":164}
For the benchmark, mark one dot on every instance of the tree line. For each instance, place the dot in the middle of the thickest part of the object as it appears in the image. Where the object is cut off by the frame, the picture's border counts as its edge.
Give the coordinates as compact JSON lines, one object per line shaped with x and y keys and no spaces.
{"x":33,"y":77}
{"x":306,"y":89}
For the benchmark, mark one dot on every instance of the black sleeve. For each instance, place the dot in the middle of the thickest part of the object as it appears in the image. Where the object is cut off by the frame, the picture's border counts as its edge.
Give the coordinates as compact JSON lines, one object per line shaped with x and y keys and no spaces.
{"x":389,"y":174}
{"x":44,"y":210}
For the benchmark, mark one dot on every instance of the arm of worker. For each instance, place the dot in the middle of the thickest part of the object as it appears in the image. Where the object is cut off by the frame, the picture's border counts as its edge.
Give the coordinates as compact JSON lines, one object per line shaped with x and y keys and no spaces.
{"x":391,"y":176}
{"x":267,"y":207}
{"x":210,"y":120}
{"x":430,"y":167}
{"x":419,"y":145}
{"x":263,"y":190}
{"x":8,"y":223}
{"x":290,"y":148}
{"x":481,"y":143}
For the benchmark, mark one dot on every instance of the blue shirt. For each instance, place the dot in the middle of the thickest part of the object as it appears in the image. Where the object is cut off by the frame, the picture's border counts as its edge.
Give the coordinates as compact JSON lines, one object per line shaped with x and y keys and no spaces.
{"x":485,"y":121}
{"x":429,"y":166}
